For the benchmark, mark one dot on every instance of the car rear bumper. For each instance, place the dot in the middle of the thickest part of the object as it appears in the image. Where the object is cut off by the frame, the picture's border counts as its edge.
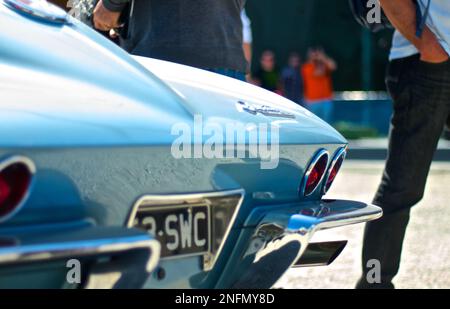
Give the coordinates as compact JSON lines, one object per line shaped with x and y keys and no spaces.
{"x":107,"y":257}
{"x":271,"y":240}
{"x":281,"y":236}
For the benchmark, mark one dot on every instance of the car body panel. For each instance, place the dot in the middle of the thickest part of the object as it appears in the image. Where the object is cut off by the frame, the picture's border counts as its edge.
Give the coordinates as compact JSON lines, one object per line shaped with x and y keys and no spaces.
{"x":119,"y":92}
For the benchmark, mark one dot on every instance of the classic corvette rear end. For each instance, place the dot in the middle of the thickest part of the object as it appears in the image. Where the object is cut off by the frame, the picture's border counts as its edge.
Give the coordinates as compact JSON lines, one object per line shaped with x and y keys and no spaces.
{"x":94,"y":169}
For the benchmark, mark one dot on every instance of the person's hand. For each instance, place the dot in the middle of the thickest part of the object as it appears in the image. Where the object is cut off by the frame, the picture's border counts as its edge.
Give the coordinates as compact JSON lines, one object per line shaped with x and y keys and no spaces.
{"x":432,"y":51}
{"x":104,"y":19}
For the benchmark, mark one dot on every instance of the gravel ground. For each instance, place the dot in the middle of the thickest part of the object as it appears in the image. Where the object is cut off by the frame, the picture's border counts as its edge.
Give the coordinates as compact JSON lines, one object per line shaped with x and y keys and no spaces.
{"x":426,"y":254}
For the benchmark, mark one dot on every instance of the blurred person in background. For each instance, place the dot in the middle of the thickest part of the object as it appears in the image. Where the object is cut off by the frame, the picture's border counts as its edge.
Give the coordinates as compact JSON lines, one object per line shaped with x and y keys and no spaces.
{"x":203,"y":33}
{"x":318,"y":84}
{"x":291,"y":79}
{"x":267,"y":76}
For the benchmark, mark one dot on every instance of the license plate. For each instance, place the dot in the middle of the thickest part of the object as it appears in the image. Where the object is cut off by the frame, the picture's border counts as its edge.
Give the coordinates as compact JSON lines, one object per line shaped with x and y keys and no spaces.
{"x":181,"y":230}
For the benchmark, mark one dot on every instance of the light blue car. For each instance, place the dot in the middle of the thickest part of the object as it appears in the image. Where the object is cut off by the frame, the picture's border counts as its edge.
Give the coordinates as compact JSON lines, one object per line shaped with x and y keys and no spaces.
{"x":124,"y":172}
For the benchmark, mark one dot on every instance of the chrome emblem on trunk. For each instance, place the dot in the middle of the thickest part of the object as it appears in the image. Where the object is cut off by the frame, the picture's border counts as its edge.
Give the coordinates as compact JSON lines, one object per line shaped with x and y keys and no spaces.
{"x":265,"y":110}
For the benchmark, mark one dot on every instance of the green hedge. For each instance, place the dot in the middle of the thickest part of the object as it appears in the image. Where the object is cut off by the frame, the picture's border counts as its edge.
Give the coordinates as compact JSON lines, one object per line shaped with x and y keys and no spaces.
{"x":352,"y":131}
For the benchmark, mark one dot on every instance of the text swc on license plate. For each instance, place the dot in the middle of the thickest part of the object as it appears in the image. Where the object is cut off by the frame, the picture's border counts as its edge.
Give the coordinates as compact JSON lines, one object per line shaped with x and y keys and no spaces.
{"x":181,"y":230}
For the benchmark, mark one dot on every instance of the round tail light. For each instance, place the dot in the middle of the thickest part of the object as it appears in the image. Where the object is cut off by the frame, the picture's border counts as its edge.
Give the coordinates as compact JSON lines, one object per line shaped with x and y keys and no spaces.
{"x":15,"y":179}
{"x":335,"y":166}
{"x":315,"y":173}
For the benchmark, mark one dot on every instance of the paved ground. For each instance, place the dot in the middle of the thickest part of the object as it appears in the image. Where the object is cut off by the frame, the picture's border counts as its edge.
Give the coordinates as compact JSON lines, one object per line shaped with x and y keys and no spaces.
{"x":426,"y":258}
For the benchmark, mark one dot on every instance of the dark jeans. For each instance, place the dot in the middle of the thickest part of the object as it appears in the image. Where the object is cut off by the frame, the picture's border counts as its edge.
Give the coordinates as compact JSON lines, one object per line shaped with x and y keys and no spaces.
{"x":421,"y":96}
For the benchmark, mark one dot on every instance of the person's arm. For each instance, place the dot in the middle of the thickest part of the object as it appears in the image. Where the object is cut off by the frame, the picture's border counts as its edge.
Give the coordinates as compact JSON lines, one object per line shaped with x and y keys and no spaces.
{"x":402,"y":15}
{"x":247,"y":47}
{"x":246,"y":36}
{"x":329,"y":63}
{"x":107,"y":14}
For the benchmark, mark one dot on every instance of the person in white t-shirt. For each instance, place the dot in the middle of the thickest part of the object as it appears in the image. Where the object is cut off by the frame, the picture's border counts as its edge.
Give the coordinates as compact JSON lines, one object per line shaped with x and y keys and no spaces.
{"x":418,"y":81}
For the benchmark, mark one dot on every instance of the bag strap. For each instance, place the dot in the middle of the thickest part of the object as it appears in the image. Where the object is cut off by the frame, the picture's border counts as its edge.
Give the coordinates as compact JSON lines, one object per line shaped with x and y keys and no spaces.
{"x":421,"y":18}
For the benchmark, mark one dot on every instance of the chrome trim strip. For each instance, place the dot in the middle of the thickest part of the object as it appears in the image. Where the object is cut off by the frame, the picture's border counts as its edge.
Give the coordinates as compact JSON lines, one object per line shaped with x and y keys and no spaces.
{"x":50,"y":13}
{"x":339,"y":153}
{"x":319,"y":154}
{"x":131,"y":9}
{"x":209,"y":260}
{"x":80,"y":248}
{"x":31,"y":169}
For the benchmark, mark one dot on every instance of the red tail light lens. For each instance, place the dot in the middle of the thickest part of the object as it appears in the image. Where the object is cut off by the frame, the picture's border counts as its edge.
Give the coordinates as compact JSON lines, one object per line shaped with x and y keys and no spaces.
{"x":335,"y":166}
{"x":315,"y":173}
{"x":15,"y":179}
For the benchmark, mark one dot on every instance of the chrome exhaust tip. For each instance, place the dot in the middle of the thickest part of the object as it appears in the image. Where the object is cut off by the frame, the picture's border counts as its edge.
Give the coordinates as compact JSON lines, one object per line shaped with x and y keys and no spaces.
{"x":321,"y":253}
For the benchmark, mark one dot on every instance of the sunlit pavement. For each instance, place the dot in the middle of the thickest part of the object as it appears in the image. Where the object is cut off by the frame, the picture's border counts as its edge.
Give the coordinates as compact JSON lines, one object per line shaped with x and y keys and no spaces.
{"x":426,"y":255}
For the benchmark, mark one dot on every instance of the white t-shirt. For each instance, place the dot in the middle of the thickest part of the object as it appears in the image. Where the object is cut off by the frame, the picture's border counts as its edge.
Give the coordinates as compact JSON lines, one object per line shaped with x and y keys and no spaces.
{"x":246,"y":28}
{"x":438,"y":21}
